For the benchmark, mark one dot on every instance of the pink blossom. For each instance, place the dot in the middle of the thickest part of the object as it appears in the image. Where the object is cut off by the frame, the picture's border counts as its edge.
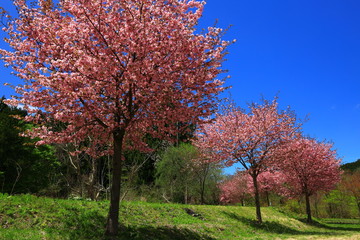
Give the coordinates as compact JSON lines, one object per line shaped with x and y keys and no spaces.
{"x":113,"y":71}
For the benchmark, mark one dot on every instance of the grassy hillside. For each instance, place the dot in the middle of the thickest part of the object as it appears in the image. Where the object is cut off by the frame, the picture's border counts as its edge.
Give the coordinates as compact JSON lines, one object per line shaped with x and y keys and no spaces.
{"x":30,"y":217}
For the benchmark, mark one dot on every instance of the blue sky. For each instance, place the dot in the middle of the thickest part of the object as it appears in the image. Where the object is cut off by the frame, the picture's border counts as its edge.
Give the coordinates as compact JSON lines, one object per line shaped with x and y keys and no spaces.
{"x":306,"y":51}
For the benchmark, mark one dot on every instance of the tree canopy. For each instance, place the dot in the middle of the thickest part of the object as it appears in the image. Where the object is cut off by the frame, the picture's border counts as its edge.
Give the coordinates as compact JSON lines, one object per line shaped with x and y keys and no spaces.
{"x":111,"y":71}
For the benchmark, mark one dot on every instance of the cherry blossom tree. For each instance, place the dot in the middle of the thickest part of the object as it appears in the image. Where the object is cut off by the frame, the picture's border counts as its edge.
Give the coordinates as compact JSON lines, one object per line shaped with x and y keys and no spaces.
{"x":235,"y":189}
{"x":113,"y":70}
{"x":248,"y":138}
{"x":309,"y":167}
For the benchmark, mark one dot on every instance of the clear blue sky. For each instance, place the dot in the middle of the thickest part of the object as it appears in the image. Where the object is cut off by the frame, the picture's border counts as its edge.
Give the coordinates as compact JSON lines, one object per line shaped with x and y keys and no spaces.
{"x":306,"y":51}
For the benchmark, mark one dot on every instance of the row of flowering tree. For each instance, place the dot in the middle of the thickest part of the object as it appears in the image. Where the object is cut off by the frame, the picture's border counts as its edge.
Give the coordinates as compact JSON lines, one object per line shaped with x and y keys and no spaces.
{"x":112,"y":71}
{"x":269,"y":146}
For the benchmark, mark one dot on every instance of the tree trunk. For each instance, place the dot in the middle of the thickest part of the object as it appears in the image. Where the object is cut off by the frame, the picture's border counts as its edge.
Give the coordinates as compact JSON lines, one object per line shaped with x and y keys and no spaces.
{"x":112,"y":225}
{"x":202,"y":193}
{"x":172,"y":192}
{"x":268,"y":198}
{"x":330,"y":209}
{"x":308,"y":209}
{"x":316,"y":213}
{"x":257,"y":199}
{"x":203,"y":182}
{"x":92,"y":180}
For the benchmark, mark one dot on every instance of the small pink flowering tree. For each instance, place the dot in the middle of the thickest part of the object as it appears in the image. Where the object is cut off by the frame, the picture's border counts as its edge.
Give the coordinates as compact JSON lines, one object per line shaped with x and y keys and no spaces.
{"x":237,"y":187}
{"x":248,"y":138}
{"x":234,"y":189}
{"x":113,"y":70}
{"x":308,"y":166}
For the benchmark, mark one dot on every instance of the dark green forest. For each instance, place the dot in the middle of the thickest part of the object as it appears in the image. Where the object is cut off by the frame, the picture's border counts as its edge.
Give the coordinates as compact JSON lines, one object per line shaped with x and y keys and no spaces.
{"x":351,"y":167}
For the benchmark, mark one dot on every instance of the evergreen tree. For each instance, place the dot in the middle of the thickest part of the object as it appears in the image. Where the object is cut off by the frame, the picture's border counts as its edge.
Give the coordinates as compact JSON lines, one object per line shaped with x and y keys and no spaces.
{"x":24,"y":168}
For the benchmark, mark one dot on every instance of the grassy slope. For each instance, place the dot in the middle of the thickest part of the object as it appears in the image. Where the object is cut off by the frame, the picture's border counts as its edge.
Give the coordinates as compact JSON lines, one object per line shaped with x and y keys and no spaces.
{"x":29,"y":217}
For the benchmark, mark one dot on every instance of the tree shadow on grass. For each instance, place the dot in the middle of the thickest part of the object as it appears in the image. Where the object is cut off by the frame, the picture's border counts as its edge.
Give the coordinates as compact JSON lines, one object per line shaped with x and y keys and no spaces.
{"x":90,"y":225}
{"x":84,"y":224}
{"x":275,"y":227}
{"x":346,"y":226}
{"x":160,"y":233}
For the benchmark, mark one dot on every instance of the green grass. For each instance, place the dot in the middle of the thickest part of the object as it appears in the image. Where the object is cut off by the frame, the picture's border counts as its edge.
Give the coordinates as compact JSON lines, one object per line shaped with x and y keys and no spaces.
{"x":30,"y":217}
